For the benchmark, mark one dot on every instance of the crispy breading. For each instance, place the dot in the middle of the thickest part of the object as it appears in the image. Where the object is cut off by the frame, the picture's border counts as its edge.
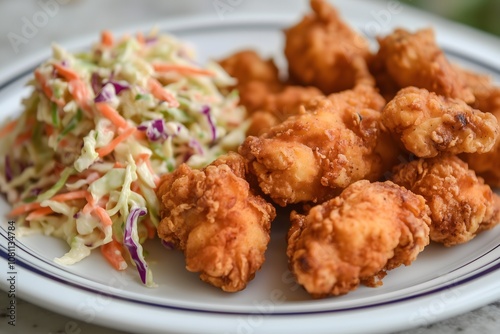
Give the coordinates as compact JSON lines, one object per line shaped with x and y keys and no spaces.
{"x":278,"y":106}
{"x":461,"y":204}
{"x":356,"y":237}
{"x":313,"y":155}
{"x":414,"y":59}
{"x":323,"y":51}
{"x":428,"y":124}
{"x":256,"y":77}
{"x":216,"y":220}
{"x":487,"y":100}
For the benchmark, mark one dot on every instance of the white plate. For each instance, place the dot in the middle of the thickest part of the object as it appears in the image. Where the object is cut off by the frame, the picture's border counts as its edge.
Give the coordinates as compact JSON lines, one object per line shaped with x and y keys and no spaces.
{"x":443,"y":282}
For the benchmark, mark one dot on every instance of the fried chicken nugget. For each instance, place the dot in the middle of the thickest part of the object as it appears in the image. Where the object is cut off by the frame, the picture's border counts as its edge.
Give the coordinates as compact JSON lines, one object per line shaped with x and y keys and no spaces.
{"x":487,"y":100}
{"x":427,"y":124}
{"x":323,"y":51}
{"x":256,"y":77}
{"x":215,"y":219}
{"x":279,"y":106}
{"x":356,"y":237}
{"x":415,"y":59}
{"x":461,"y":204}
{"x":247,"y":66}
{"x":313,"y":155}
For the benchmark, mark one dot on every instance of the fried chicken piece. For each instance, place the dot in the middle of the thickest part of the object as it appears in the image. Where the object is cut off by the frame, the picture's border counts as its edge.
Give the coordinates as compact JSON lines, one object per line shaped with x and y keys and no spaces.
{"x":256,"y":77}
{"x":428,"y":124}
{"x":287,"y":102}
{"x":414,"y":59}
{"x":216,"y":220}
{"x":487,"y":164}
{"x":313,"y":155}
{"x":364,"y":96}
{"x":356,"y":237}
{"x":279,"y":106}
{"x":487,"y":100}
{"x":247,"y":66}
{"x":323,"y":51}
{"x":461,"y":204}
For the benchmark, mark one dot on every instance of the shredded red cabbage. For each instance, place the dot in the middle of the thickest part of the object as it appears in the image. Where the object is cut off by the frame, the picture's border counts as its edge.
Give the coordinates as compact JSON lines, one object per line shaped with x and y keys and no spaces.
{"x":109,"y":90}
{"x":119,"y":85}
{"x":193,"y":143}
{"x":96,"y":83}
{"x":106,"y":94}
{"x":150,"y":40}
{"x":8,"y":169}
{"x":132,"y":244}
{"x":156,"y":130}
{"x":205,"y":110}
{"x":167,"y":245}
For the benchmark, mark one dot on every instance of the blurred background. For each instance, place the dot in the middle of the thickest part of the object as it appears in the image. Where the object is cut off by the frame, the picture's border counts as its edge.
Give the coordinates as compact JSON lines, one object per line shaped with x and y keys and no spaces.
{"x":27,"y":26}
{"x":481,"y":14}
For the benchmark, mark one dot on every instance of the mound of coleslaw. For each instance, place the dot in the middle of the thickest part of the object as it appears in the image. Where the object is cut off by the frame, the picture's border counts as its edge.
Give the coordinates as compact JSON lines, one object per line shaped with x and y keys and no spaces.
{"x":83,"y":159}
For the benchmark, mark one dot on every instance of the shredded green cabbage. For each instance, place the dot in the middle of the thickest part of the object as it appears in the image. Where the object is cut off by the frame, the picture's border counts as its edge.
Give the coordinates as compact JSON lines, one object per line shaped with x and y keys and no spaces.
{"x":63,"y":145}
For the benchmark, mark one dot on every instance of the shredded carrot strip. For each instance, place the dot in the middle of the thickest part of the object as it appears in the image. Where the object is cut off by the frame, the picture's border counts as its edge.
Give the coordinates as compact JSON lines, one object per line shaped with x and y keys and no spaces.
{"x":105,"y":150}
{"x":112,"y":114}
{"x":118,"y":165}
{"x":46,"y":89}
{"x":39,"y":213}
{"x":8,"y":128}
{"x":49,"y":129}
{"x":140,"y":135}
{"x":69,"y":196}
{"x":107,"y":38}
{"x":23,"y":208}
{"x":103,"y":216}
{"x":80,"y":93}
{"x":160,"y":93}
{"x":150,"y":228}
{"x":182,"y":69}
{"x":135,"y":187}
{"x":113,"y":253}
{"x":90,"y":203}
{"x":65,"y":72}
{"x":23,"y":137}
{"x":140,"y":38}
{"x":144,"y":158}
{"x":63,"y":142}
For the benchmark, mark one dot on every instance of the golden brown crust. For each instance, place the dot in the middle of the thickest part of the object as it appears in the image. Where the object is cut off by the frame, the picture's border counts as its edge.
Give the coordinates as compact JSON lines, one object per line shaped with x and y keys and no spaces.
{"x":247,"y":66}
{"x":414,"y":59}
{"x":313,"y":155}
{"x":461,"y":204}
{"x":428,"y":124}
{"x":487,"y":100}
{"x":356,"y":237}
{"x":256,"y":77}
{"x":278,"y":106}
{"x":216,"y":220}
{"x":325,"y":52}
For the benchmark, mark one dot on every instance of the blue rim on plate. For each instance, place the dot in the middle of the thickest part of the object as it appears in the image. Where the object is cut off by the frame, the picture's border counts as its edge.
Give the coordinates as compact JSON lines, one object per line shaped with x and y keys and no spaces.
{"x":31,"y":261}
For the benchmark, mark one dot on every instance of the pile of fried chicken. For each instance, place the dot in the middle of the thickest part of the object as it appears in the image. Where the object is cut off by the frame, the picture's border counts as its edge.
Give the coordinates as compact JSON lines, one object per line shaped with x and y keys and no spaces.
{"x":378,"y":153}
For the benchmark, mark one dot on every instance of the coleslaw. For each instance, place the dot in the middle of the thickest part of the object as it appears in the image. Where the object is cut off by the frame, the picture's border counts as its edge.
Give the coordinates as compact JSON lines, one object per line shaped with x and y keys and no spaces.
{"x":83,"y":159}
